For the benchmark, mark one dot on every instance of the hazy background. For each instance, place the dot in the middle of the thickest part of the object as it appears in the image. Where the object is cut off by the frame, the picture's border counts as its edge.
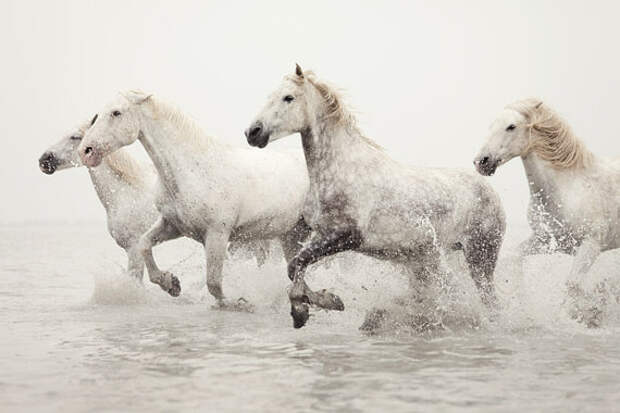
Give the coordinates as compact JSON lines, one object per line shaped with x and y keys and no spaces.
{"x":426,"y":77}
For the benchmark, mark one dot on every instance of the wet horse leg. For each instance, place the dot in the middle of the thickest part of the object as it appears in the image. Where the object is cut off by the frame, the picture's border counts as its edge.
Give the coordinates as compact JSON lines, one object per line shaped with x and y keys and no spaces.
{"x":300,"y":295}
{"x":135,"y":263}
{"x":581,"y":308}
{"x":481,"y":253}
{"x":215,"y":251}
{"x":421,"y":270}
{"x":292,"y":240}
{"x":160,"y":231}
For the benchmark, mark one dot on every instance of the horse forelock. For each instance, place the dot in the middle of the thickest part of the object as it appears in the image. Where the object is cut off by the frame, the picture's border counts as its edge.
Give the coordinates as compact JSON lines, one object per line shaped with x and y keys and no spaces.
{"x":551,"y":137}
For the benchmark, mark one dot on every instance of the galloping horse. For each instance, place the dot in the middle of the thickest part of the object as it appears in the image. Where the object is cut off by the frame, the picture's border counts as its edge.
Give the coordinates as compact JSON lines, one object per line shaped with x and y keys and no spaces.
{"x":126,"y":188}
{"x":208,"y":191}
{"x":574,"y":196}
{"x":364,"y":201}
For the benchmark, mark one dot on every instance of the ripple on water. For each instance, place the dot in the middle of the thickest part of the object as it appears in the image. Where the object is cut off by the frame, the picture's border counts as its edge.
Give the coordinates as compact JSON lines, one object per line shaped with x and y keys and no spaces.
{"x":79,"y":335}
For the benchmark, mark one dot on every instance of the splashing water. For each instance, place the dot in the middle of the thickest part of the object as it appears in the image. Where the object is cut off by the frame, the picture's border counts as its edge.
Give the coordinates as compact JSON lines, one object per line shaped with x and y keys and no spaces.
{"x":80,"y":335}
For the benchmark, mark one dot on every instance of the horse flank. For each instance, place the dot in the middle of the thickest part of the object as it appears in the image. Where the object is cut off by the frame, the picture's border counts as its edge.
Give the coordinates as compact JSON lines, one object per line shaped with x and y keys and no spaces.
{"x":551,"y":138}
{"x":337,"y":113}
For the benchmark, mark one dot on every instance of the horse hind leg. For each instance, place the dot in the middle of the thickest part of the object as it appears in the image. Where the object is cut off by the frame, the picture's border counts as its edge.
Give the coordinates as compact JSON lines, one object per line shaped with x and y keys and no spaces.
{"x":481,"y":252}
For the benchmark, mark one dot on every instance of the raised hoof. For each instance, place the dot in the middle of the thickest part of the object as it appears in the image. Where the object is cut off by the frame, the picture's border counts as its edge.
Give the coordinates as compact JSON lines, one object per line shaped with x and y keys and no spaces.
{"x":328,"y":301}
{"x":175,"y":285}
{"x":300,"y":313}
{"x":374,"y":320}
{"x":241,"y":306}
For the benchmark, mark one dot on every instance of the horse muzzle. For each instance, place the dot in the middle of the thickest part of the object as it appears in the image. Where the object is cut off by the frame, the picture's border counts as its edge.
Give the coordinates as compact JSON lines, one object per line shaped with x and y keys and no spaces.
{"x":48,"y":163}
{"x":485,"y":165}
{"x":256,"y":135}
{"x":91,"y":156}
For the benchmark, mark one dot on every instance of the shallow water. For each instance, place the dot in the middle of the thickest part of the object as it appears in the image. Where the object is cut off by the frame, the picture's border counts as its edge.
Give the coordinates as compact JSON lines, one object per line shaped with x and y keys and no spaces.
{"x":77,"y":336}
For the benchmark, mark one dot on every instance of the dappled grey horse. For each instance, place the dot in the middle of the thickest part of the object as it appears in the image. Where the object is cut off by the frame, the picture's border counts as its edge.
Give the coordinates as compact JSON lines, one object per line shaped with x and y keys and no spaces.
{"x":364,"y":201}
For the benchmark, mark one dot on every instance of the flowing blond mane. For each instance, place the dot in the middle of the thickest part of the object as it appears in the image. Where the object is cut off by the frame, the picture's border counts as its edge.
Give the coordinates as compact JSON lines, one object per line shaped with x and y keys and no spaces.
{"x":129,"y":169}
{"x":188,"y":128}
{"x":338,"y":114}
{"x":551,"y":138}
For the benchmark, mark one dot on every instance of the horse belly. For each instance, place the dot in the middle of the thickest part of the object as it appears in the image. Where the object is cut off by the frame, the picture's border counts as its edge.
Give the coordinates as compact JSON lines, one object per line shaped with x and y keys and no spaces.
{"x":272,"y":207}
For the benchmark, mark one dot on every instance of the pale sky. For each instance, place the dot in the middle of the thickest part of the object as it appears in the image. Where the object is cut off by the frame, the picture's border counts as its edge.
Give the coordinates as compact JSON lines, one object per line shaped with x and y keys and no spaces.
{"x":427,"y":77}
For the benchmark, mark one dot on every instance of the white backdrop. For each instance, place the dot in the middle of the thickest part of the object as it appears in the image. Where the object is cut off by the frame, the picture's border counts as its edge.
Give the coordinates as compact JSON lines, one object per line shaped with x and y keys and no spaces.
{"x":426,"y":77}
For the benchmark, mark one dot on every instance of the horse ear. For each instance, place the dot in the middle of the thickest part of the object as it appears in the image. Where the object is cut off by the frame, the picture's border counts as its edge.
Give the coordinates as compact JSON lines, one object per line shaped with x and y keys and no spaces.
{"x":298,"y":71}
{"x":137,"y":96}
{"x":538,"y":105}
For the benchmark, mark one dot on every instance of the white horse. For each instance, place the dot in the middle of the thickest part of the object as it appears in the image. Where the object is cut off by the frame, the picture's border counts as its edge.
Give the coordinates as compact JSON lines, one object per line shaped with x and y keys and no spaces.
{"x":126,"y":188}
{"x":364,"y":201}
{"x":209,"y":191}
{"x":574,"y":196}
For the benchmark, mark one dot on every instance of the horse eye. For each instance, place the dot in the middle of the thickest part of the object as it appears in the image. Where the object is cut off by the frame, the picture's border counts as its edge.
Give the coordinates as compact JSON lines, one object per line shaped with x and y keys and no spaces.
{"x":116,"y":113}
{"x":76,"y":138}
{"x":510,"y":127}
{"x":288,"y":98}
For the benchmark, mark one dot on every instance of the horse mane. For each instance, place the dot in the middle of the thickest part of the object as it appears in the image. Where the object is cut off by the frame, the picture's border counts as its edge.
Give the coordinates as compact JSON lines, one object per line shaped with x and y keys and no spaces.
{"x":127,"y":168}
{"x":188,"y":128}
{"x":551,"y":138}
{"x":338,"y":114}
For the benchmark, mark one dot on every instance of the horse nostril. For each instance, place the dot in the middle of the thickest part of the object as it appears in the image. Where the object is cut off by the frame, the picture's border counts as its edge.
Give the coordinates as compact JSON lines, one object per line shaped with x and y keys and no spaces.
{"x":484,"y":160}
{"x":255,"y":131}
{"x":88,"y":150}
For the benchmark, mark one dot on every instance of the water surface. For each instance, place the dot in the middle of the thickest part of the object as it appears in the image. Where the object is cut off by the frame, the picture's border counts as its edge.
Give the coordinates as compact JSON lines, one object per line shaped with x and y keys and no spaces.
{"x":78,"y":336}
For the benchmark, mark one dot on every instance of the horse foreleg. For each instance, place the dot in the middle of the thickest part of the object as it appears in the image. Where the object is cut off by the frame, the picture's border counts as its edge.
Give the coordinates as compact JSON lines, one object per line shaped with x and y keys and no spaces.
{"x":215,"y":251}
{"x":300,"y":295}
{"x":160,"y":231}
{"x":292,"y":240}
{"x":586,"y":254}
{"x":512,"y":287}
{"x":135,"y":263}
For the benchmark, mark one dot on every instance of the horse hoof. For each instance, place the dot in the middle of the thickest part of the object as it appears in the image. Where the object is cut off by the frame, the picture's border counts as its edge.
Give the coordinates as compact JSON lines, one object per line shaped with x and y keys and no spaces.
{"x":175,"y":285}
{"x":241,"y":305}
{"x":300,"y":313}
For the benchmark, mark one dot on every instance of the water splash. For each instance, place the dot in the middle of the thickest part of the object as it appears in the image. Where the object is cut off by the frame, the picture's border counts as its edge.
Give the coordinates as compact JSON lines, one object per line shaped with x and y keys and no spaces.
{"x":534,"y":300}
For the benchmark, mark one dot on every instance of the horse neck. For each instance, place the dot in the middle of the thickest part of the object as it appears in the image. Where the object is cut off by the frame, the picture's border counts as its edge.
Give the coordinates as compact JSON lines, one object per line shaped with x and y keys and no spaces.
{"x":327,"y":147}
{"x":544,"y":181}
{"x":170,"y":148}
{"x":107,"y":183}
